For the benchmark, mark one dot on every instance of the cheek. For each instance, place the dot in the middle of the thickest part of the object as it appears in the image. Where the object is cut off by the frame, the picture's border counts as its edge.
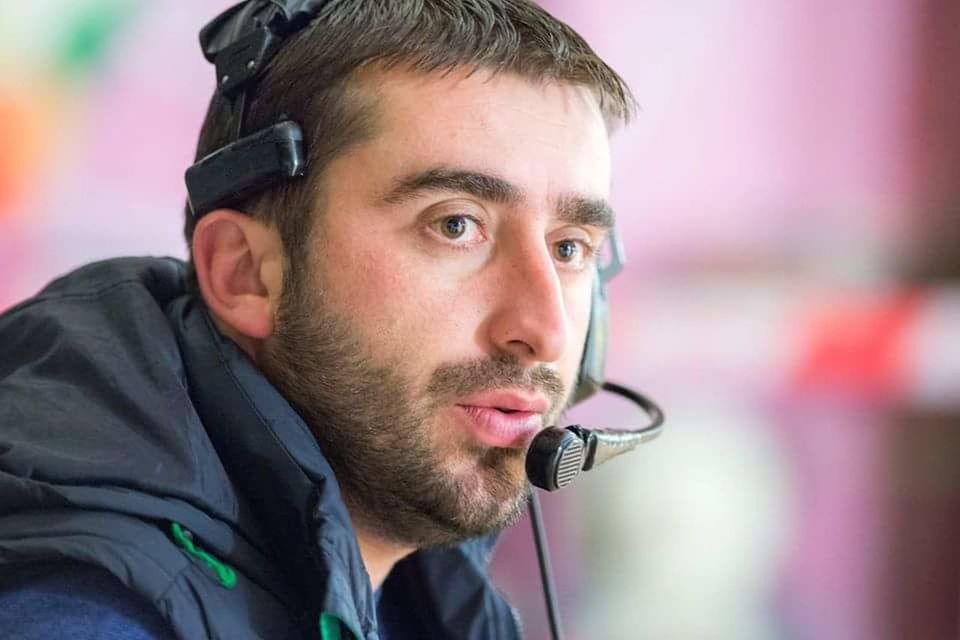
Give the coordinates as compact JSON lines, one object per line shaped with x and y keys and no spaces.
{"x":402,"y":312}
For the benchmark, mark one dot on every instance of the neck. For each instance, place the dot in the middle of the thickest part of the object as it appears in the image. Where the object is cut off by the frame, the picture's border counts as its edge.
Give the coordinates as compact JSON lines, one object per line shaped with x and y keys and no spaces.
{"x":378,"y":555}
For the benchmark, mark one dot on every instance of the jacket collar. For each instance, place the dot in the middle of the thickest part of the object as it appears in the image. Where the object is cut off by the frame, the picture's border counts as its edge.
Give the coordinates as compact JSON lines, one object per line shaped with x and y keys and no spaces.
{"x":277,"y":466}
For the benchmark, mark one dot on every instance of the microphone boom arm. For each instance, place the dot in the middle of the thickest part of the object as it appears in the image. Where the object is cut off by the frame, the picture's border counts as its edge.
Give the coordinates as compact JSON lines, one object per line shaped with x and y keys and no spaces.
{"x":603,"y":444}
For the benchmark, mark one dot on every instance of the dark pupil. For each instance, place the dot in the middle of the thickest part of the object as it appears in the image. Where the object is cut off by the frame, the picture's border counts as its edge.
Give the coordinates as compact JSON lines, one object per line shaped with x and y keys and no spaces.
{"x":565,"y":250}
{"x":454,"y":226}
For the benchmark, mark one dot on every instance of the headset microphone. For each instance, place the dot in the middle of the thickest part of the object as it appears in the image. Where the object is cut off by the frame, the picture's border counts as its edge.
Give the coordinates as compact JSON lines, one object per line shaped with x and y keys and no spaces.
{"x":557,"y":456}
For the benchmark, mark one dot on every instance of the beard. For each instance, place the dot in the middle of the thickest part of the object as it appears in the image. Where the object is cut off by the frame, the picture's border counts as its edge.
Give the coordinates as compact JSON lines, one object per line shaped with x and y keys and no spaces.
{"x":404,"y":477}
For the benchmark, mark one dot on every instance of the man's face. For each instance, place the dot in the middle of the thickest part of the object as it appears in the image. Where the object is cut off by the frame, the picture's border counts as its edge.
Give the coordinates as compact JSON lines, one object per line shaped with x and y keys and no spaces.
{"x":441,"y":320}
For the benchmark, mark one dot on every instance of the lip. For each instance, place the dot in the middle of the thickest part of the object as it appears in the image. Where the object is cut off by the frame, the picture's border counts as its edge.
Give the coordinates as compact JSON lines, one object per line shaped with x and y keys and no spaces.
{"x":494,"y":428}
{"x":508,"y":399}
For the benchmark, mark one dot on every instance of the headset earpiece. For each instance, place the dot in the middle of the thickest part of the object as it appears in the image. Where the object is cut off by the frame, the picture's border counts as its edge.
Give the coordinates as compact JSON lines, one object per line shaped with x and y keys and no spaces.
{"x":593,"y":362}
{"x":591,"y":376}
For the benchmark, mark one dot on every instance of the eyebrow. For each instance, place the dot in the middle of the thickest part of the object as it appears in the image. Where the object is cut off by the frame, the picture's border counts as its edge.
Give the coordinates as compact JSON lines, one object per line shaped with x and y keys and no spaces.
{"x":572,"y":209}
{"x":594,"y":212}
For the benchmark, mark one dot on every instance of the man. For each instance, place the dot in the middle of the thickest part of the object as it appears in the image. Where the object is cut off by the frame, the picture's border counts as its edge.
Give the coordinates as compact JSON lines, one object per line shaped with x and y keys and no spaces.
{"x":316,"y":428}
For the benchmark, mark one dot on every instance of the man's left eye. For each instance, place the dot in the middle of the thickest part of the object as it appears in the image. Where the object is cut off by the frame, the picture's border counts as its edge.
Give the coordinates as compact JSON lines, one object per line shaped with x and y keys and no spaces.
{"x":571,"y":251}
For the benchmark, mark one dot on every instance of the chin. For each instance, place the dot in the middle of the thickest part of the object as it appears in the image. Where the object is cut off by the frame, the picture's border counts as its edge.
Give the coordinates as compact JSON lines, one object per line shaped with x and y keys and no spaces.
{"x":495,"y":484}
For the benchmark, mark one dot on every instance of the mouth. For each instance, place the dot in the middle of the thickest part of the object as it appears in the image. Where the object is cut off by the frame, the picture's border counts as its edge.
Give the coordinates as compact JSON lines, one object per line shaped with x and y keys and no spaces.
{"x":504,"y":419}
{"x":501,"y":428}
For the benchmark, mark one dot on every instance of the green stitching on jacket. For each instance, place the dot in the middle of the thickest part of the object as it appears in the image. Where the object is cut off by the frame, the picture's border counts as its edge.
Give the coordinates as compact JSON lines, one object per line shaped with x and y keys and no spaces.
{"x":226,"y":576}
{"x":332,"y":628}
{"x":329,"y":627}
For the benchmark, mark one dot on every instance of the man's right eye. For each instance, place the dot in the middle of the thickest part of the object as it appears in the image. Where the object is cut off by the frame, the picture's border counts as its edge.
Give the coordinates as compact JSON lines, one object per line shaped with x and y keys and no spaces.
{"x":459,"y":228}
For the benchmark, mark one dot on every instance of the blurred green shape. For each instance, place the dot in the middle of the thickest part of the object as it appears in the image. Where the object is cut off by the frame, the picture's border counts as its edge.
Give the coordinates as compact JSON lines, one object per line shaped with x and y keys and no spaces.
{"x":88,"y":31}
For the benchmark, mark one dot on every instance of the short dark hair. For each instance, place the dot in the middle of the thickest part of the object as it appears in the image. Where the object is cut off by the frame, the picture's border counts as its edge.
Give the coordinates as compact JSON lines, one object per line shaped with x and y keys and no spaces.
{"x":308,"y":82}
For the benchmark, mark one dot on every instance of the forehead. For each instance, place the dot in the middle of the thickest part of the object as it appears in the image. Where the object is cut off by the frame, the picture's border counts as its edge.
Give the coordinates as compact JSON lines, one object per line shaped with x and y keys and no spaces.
{"x":545,"y":137}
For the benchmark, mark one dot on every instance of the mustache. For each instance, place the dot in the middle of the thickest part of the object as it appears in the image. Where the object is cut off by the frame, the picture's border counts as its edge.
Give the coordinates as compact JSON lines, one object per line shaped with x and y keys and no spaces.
{"x":477,"y":376}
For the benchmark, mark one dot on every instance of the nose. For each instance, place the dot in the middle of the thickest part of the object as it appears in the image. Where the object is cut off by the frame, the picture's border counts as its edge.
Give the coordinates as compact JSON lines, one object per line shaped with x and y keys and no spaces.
{"x":530,"y":318}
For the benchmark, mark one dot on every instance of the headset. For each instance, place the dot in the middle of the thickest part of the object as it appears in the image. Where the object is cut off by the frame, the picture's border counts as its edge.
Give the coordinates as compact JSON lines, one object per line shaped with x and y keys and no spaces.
{"x":240,"y":42}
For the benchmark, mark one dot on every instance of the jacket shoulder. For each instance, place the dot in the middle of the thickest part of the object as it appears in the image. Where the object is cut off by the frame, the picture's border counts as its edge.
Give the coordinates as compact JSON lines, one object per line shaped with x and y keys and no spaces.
{"x":48,"y":600}
{"x":159,"y":275}
{"x":140,"y":561}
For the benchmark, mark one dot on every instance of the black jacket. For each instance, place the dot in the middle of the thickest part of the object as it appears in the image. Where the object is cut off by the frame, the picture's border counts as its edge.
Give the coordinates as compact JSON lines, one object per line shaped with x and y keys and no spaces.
{"x":135,"y":437}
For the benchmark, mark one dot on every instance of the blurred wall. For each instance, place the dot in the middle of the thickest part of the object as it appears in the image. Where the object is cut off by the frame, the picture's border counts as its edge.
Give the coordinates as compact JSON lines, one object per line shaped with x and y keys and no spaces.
{"x":788,"y":196}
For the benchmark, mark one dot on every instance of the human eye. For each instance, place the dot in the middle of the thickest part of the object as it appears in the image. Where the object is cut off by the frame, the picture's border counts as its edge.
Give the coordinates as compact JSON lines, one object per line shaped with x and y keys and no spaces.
{"x":573,"y":253}
{"x":458,"y":228}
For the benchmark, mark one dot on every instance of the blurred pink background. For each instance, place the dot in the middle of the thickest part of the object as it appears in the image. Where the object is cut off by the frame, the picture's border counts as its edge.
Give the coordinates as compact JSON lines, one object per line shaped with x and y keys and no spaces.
{"x":789,"y":196}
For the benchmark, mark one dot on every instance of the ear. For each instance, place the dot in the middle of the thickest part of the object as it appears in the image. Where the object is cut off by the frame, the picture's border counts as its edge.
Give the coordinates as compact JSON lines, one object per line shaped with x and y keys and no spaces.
{"x":239,"y":263}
